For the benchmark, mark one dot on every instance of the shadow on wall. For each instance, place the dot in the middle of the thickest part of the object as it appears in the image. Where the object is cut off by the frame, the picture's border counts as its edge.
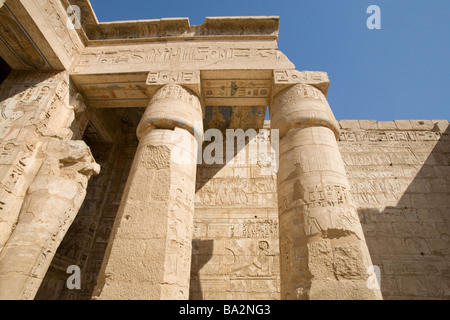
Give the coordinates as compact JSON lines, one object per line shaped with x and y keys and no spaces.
{"x":222,"y":118}
{"x":410,"y":242}
{"x":232,"y":216}
{"x":5,"y":70}
{"x":85,"y":243}
{"x":202,"y":251}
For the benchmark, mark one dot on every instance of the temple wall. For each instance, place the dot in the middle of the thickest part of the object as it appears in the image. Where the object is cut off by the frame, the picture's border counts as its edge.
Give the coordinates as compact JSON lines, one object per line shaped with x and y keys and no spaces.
{"x":235,"y":242}
{"x":99,"y":128}
{"x":400,"y":179}
{"x":85,"y":242}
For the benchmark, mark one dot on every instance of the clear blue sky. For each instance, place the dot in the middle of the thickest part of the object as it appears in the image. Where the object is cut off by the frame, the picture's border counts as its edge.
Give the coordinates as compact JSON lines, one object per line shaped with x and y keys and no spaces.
{"x":399,"y":72}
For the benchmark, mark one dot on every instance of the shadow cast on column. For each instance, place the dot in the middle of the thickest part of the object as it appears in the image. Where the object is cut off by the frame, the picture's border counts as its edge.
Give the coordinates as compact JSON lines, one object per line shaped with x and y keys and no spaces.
{"x":410,"y":241}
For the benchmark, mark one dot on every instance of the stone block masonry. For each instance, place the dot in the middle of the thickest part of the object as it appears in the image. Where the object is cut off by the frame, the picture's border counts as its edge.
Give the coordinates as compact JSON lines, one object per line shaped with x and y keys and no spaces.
{"x":312,"y":215}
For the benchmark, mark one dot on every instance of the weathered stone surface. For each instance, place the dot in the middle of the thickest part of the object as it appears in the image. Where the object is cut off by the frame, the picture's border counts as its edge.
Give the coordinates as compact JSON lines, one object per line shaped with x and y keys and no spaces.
{"x":234,"y":226}
{"x":235,"y":241}
{"x":401,"y":189}
{"x":48,"y":209}
{"x":151,"y":240}
{"x":321,"y":237}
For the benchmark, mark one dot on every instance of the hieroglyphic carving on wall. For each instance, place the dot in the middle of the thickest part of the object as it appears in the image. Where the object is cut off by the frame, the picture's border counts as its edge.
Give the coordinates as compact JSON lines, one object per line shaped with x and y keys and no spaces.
{"x":172,"y":53}
{"x":238,"y":228}
{"x":187,"y":79}
{"x":378,"y":172}
{"x":399,"y":180}
{"x":237,"y":191}
{"x":374,"y":136}
{"x":285,"y":78}
{"x":255,"y":259}
{"x":258,"y":263}
{"x":295,"y":76}
{"x":236,"y":211}
{"x":57,"y":18}
{"x":259,"y":229}
{"x":176,"y":77}
{"x":236,"y":88}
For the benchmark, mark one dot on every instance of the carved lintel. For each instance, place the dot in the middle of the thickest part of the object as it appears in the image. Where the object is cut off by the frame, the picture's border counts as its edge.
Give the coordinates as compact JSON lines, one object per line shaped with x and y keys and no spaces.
{"x":286,"y":78}
{"x":188,"y":79}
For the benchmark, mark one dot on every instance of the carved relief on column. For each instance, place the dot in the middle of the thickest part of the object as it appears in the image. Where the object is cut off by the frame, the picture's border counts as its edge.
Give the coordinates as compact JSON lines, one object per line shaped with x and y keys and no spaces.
{"x":36,"y":114}
{"x":28,"y":100}
{"x":173,"y":107}
{"x":49,"y":208}
{"x":313,"y":110}
{"x":149,"y":252}
{"x":322,"y":247}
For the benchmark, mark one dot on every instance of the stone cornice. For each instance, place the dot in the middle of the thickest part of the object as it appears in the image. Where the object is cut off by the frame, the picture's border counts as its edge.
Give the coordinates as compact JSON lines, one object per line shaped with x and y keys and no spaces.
{"x":172,"y":29}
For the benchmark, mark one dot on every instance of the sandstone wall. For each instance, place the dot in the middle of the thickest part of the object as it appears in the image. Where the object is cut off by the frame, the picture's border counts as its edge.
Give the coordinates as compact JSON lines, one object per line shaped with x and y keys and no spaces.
{"x":85,"y":242}
{"x":400,"y":177}
{"x":235,"y":243}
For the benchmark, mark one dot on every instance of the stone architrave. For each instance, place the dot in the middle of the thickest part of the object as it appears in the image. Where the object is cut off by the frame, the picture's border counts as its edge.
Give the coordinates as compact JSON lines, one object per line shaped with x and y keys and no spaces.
{"x":323,"y":251}
{"x":149,"y":252}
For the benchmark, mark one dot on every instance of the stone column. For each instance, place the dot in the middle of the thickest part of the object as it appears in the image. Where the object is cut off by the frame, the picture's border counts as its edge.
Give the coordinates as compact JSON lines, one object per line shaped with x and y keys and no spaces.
{"x":43,"y":175}
{"x":149,"y":251}
{"x":49,"y":208}
{"x":323,"y":251}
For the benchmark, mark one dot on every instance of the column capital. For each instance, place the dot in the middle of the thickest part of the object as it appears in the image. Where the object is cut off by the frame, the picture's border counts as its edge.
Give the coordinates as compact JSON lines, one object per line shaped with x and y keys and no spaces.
{"x":173,"y":106}
{"x":302,"y":105}
{"x":189,"y":79}
{"x":286,"y":78}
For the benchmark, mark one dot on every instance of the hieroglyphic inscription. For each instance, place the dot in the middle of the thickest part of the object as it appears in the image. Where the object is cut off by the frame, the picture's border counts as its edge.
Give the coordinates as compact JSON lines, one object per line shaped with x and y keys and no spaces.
{"x":319,"y":196}
{"x":166,"y":54}
{"x":176,"y":77}
{"x":236,"y":192}
{"x":236,"y":88}
{"x":374,"y":136}
{"x":58,"y":20}
{"x":260,"y":229}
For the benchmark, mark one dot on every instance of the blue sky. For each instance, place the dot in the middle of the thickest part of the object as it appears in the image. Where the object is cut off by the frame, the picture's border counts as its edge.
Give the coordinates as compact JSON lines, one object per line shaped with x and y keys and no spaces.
{"x":401,"y":71}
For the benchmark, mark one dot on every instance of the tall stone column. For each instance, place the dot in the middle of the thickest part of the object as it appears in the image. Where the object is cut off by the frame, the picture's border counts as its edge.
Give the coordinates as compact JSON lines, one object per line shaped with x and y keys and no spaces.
{"x":323,"y":251}
{"x":149,"y":252}
{"x":43,"y":175}
{"x":49,"y":208}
